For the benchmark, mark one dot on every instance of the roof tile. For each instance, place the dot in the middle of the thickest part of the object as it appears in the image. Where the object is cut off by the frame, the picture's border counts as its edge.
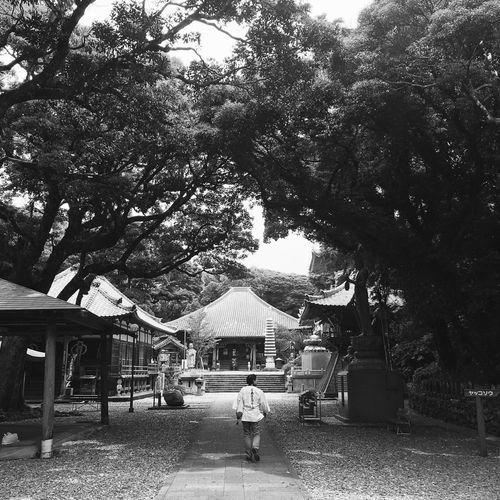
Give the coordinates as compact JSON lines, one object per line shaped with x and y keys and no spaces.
{"x":237,"y":313}
{"x":106,"y":301}
{"x":15,"y":297}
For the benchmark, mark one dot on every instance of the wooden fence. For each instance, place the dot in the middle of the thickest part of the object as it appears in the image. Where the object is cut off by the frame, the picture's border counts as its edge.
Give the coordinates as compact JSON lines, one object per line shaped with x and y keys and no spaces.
{"x":447,"y":387}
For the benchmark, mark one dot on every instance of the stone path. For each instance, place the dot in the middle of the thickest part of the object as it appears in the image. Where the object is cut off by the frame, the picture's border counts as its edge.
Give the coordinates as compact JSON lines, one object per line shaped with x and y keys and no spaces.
{"x":215,"y":466}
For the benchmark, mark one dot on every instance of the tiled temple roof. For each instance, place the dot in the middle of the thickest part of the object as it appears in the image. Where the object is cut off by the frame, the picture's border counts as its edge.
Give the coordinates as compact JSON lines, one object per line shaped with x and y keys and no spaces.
{"x":237,"y":313}
{"x":337,"y":297}
{"x":106,"y":301}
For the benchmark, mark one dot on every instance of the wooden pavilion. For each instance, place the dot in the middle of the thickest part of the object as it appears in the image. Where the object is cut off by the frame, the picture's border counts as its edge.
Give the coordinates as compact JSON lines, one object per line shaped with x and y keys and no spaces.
{"x":332,"y":314}
{"x":26,"y":312}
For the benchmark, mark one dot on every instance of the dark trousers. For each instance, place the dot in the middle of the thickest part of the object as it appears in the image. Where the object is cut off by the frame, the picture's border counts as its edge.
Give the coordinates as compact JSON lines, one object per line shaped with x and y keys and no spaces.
{"x":251,"y":435}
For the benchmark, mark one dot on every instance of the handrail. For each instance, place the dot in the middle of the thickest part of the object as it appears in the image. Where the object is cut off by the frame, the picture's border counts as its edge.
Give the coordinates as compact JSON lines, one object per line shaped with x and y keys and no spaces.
{"x":329,"y":373}
{"x":308,"y":372}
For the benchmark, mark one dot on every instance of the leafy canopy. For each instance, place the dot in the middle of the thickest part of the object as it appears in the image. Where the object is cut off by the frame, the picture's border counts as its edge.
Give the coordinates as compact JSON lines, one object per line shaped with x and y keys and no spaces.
{"x":383,"y":142}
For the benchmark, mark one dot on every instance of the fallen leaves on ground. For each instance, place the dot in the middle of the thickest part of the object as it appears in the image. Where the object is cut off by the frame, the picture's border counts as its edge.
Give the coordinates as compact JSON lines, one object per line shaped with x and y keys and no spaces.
{"x":134,"y":457}
{"x":130,"y":459}
{"x":345,"y":462}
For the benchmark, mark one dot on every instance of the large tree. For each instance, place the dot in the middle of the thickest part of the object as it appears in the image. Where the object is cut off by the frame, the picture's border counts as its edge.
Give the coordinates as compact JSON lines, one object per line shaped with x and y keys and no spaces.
{"x":103,"y":158}
{"x":54,"y":57}
{"x":131,"y":185}
{"x":384,"y":142}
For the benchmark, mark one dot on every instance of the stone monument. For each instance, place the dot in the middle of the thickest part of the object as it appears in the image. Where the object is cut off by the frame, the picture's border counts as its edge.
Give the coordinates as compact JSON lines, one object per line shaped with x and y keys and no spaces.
{"x":191,"y":356}
{"x":374,"y":392}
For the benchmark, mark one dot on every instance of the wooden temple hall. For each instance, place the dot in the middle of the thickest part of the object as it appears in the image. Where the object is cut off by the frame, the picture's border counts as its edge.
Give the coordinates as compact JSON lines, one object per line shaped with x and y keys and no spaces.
{"x":132,"y":348}
{"x":244,"y":326}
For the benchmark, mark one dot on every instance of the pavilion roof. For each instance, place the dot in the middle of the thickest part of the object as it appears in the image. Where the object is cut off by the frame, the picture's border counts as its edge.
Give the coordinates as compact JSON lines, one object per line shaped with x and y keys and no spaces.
{"x":14,"y":297}
{"x":106,"y":301}
{"x":26,"y":311}
{"x":337,"y":297}
{"x":164,"y":341}
{"x":237,"y":313}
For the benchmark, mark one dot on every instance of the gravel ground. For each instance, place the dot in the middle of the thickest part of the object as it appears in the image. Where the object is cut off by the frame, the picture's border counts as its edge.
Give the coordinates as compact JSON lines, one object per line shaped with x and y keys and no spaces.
{"x":132,"y":458}
{"x":345,"y":462}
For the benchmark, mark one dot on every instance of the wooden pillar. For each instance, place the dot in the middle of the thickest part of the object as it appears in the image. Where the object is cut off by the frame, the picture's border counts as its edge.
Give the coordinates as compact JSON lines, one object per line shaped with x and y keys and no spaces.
{"x":131,"y":408}
{"x":64,"y":369}
{"x":49,"y":391}
{"x":481,"y":430}
{"x":104,"y":380}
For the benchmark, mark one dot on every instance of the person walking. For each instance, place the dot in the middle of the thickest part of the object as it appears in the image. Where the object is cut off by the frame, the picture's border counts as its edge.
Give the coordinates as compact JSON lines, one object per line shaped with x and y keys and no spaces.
{"x":251,"y":407}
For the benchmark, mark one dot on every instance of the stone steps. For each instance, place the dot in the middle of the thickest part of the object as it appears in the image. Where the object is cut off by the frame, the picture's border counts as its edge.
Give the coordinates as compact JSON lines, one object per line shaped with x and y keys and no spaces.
{"x":233,"y":382}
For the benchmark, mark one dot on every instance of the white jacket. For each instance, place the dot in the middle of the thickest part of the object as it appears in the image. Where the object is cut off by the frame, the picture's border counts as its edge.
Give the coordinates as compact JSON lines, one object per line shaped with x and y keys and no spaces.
{"x":251,"y":401}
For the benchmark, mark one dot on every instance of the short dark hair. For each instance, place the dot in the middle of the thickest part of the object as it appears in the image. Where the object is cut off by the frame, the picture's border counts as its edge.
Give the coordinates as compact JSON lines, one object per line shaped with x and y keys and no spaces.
{"x":251,"y":378}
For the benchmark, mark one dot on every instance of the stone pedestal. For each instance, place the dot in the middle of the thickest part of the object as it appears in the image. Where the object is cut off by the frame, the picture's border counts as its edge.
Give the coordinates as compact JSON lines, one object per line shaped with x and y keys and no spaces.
{"x":313,"y":360}
{"x":374,"y":392}
{"x":374,"y":395}
{"x":270,"y":363}
{"x":315,"y":357}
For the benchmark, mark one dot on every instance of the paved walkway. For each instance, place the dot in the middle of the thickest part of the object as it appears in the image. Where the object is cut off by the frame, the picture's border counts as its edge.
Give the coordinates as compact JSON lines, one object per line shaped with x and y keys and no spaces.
{"x":215,"y":466}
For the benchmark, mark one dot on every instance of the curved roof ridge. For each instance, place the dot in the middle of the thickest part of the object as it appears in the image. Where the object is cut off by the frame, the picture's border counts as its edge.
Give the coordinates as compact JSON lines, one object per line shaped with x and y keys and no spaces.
{"x":106,"y":300}
{"x":269,"y":306}
{"x":218,"y":299}
{"x":117,"y":301}
{"x":152,"y":316}
{"x":241,"y":288}
{"x":334,"y":290}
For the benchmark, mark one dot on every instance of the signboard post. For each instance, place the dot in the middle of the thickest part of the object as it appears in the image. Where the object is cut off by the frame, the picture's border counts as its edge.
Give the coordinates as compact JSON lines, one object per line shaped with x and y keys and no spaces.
{"x":481,"y":430}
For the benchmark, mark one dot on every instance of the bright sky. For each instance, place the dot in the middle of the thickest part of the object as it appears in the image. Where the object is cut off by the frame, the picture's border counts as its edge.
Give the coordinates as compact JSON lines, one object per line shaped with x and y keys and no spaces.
{"x":291,"y":254}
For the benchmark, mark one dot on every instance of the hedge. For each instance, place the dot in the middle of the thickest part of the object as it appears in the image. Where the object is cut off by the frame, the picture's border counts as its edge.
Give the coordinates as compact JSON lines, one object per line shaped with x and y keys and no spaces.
{"x":457,"y":411}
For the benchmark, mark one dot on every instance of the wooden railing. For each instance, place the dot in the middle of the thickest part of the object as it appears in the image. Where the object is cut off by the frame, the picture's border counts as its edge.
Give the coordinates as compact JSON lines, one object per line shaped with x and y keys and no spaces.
{"x":139,"y":371}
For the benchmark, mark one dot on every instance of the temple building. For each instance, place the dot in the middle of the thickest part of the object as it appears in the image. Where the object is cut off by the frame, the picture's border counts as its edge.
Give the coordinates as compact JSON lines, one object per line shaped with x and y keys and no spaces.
{"x":238,"y":320}
{"x":332,"y":313}
{"x":79,"y":372}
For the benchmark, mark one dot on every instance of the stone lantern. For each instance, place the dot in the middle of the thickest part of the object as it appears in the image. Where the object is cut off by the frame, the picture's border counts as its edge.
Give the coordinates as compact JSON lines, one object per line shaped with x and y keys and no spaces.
{"x":314,"y":357}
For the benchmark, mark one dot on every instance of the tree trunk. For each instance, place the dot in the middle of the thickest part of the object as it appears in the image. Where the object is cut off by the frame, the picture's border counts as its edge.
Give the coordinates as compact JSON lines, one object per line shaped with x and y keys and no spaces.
{"x":446,"y":351}
{"x":362,"y":305}
{"x":12,"y":357}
